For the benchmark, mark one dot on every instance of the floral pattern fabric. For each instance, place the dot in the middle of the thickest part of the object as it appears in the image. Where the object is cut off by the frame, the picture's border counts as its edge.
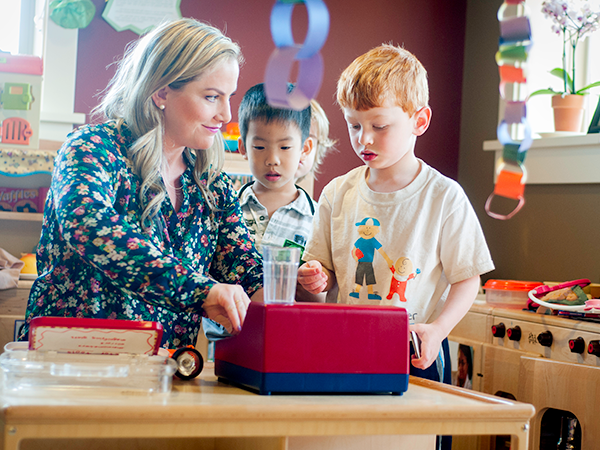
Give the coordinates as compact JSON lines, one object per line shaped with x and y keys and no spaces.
{"x":95,"y":260}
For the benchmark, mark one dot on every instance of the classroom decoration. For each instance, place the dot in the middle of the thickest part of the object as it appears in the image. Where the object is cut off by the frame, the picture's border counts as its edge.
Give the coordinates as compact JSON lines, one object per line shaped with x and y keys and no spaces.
{"x":515,"y":43}
{"x":72,"y":14}
{"x":140,"y":16}
{"x":310,"y":71}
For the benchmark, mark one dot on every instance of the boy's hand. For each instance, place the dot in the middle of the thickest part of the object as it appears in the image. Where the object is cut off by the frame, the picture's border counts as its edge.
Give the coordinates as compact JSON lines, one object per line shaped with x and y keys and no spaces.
{"x":312,"y":277}
{"x":431,"y":342}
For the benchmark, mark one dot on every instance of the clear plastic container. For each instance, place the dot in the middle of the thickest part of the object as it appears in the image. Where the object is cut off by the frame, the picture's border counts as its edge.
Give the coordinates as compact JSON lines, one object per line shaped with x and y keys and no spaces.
{"x":510,"y":294}
{"x":30,"y":372}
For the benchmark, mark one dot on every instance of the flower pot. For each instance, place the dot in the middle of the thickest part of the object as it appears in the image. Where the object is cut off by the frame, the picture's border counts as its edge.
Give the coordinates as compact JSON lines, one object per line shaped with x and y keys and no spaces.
{"x":568,"y":112}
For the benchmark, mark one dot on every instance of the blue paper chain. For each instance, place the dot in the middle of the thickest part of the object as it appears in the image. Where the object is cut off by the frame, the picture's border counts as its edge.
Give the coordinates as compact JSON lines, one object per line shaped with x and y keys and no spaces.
{"x":311,"y":69}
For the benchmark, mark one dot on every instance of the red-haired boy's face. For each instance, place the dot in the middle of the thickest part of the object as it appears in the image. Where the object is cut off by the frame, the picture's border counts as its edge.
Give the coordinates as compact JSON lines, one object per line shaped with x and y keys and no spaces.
{"x":383,"y":136}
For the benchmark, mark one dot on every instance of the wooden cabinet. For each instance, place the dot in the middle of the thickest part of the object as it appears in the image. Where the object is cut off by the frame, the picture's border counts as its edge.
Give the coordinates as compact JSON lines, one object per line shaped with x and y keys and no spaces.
{"x":501,"y":368}
{"x":12,"y":310}
{"x":20,"y":232}
{"x":556,"y":385}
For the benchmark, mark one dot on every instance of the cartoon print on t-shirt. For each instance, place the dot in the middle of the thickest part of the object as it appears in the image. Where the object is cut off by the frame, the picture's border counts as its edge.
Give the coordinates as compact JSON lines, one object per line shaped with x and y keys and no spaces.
{"x":363,"y":253}
{"x":402,"y":272}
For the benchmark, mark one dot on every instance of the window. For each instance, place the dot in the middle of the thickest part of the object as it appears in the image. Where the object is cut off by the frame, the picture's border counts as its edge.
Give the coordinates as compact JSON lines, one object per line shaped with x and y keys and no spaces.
{"x":17,"y":27}
{"x":9,"y":25}
{"x":546,"y":54}
{"x":24,"y":26}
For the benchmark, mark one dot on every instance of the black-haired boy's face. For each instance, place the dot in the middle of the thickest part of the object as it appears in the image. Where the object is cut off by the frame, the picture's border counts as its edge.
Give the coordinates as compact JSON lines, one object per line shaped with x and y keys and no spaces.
{"x":274,"y":150}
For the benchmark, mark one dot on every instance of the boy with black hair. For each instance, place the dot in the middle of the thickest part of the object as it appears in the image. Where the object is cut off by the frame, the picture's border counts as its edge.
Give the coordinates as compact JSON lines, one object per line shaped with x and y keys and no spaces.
{"x":274,"y":141}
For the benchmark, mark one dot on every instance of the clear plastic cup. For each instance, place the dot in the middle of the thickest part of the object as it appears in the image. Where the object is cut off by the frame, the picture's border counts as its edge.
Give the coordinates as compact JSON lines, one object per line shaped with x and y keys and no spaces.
{"x":280,"y":271}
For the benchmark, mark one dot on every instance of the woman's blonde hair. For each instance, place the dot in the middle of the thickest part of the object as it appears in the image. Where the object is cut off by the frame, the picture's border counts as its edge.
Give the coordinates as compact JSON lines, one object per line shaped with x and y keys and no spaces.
{"x":173,"y":54}
{"x":384,"y":73}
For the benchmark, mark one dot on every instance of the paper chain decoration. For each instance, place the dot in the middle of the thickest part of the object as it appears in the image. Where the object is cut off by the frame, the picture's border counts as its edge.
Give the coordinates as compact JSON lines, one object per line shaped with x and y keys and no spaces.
{"x":310,"y":71}
{"x":515,"y":43}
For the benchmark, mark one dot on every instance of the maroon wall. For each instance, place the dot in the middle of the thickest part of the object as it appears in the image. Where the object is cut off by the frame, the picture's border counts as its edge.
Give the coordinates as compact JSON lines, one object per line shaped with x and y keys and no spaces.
{"x":434,"y":30}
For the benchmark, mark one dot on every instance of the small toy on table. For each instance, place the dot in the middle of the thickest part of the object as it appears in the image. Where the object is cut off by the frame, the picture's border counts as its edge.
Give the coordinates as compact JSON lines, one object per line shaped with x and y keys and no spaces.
{"x":566,"y":297}
{"x":189,"y":362}
{"x":89,"y":356}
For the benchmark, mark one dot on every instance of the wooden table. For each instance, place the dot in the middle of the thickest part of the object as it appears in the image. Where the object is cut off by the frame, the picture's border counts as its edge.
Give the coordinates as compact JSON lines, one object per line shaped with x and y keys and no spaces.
{"x":206,"y":414}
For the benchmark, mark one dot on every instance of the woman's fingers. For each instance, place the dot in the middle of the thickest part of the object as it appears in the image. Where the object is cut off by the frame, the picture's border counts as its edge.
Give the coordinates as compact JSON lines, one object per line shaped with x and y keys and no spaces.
{"x":227,"y":304}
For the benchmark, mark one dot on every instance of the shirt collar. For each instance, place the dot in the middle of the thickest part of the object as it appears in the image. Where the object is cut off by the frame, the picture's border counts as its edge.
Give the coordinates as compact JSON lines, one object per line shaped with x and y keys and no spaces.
{"x":300,"y":205}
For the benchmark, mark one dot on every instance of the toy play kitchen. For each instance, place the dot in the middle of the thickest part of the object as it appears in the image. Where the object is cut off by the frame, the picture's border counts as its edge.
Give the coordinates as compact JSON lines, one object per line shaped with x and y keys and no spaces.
{"x":550,"y":359}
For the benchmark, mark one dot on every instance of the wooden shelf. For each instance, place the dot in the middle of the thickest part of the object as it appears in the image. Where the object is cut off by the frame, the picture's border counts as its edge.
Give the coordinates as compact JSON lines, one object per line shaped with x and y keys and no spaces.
{"x":24,"y":217}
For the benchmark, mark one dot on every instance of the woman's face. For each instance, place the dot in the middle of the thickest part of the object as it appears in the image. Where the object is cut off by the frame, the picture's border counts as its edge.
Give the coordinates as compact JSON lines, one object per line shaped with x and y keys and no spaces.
{"x":195,"y":113}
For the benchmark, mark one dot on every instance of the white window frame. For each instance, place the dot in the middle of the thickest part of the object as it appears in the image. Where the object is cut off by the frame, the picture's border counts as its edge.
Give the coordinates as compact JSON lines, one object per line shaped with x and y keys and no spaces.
{"x":556,"y":160}
{"x":59,"y":55}
{"x":545,"y":55}
{"x":57,"y":47}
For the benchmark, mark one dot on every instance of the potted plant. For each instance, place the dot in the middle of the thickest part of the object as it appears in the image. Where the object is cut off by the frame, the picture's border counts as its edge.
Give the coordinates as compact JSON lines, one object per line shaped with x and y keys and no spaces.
{"x":574,"y":24}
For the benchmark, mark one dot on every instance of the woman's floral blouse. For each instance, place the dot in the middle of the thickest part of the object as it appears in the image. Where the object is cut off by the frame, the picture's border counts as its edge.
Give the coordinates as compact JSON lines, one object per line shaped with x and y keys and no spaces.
{"x":95,"y":260}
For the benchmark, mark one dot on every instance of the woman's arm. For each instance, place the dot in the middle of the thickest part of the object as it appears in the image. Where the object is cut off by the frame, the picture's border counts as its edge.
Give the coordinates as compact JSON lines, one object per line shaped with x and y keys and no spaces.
{"x":97,"y":217}
{"x":236,"y":259}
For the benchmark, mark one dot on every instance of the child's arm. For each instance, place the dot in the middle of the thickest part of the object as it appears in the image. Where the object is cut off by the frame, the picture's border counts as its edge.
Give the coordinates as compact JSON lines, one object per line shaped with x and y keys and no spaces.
{"x":460,"y":298}
{"x":315,"y":278}
{"x":389,"y":262}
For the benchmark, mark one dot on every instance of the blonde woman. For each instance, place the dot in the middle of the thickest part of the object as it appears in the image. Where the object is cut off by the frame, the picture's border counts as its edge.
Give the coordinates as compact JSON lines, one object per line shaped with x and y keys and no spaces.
{"x":140,"y":223}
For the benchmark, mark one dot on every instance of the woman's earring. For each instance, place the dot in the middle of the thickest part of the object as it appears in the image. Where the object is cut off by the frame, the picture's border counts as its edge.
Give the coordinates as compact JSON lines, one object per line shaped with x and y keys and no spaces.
{"x":162,"y":107}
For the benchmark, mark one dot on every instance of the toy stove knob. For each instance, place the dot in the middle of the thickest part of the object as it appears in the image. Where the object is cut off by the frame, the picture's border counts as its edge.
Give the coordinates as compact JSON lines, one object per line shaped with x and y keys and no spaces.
{"x":594,"y":348}
{"x":514,"y":334}
{"x":577,"y":345}
{"x":545,"y":338}
{"x":498,"y":330}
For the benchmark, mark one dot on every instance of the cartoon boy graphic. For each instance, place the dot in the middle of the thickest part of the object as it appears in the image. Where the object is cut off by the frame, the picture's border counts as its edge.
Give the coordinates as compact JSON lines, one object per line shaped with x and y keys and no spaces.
{"x":402,"y":271}
{"x":363,"y":253}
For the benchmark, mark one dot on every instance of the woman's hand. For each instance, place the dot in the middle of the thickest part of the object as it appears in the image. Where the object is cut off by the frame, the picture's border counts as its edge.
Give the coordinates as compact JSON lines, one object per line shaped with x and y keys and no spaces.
{"x":227,"y":305}
{"x":431,"y":341}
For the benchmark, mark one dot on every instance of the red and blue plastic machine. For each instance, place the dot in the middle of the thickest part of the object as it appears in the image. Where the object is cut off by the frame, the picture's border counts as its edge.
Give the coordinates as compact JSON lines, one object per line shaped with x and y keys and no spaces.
{"x":318,"y":348}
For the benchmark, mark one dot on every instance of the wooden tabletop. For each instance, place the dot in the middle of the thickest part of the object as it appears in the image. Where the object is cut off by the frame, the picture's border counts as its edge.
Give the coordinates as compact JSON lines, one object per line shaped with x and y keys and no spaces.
{"x":426,"y":408}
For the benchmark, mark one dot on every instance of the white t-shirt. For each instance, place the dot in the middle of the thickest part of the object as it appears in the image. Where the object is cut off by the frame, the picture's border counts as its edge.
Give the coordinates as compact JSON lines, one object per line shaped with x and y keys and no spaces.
{"x":427,"y":230}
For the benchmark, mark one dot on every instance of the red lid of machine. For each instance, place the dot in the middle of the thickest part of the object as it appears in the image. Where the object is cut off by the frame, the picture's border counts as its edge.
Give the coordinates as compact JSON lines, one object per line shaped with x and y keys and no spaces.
{"x":26,"y":64}
{"x":511,"y":285}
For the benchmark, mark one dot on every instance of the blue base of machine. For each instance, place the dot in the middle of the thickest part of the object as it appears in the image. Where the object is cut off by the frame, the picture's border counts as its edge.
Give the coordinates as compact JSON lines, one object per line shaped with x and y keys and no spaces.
{"x":267,"y":383}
